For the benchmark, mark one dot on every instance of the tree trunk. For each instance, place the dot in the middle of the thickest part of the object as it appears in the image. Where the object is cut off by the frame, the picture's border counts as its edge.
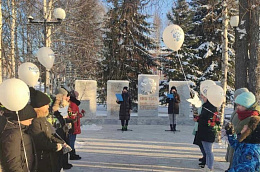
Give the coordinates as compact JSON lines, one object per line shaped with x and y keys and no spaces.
{"x":253,"y":72}
{"x":242,"y":47}
{"x":224,"y":62}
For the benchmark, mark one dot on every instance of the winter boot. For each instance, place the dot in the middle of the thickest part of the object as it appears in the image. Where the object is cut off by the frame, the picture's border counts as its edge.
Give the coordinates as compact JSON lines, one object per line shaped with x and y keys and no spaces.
{"x":171,"y":127}
{"x":174,"y":127}
{"x":202,"y":164}
{"x":125,"y":127}
{"x":201,"y":159}
{"x":65,"y":162}
{"x":73,"y":155}
{"x":76,"y":154}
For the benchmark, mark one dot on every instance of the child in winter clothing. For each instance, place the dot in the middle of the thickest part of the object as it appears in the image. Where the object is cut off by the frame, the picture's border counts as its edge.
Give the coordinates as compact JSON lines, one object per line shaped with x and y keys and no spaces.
{"x":246,"y":109}
{"x":247,"y":146}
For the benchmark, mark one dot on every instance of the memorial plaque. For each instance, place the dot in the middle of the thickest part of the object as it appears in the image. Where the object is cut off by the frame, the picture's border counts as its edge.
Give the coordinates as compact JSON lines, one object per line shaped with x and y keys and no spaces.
{"x":148,"y":95}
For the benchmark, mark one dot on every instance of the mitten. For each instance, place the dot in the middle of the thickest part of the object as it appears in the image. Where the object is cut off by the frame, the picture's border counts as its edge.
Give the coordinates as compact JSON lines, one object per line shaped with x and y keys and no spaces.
{"x":229,"y":129}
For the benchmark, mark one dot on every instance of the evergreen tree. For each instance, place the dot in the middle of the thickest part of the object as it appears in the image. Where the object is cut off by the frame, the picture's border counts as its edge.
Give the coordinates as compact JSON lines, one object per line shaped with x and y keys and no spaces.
{"x":126,"y":44}
{"x":208,"y":29}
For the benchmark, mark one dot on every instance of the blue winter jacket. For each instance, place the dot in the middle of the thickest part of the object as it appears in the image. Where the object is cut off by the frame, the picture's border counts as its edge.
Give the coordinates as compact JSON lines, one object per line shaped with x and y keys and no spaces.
{"x":246,"y":156}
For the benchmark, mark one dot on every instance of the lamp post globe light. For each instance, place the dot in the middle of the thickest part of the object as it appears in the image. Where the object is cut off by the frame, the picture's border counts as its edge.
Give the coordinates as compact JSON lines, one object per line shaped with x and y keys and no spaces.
{"x":59,"y":15}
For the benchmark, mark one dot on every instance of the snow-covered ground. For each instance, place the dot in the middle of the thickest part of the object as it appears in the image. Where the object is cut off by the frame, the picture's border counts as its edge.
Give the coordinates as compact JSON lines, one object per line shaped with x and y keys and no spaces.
{"x":145,"y":148}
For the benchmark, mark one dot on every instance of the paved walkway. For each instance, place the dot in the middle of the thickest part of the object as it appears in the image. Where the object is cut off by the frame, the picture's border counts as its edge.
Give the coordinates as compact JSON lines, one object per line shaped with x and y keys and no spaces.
{"x":146,"y":148}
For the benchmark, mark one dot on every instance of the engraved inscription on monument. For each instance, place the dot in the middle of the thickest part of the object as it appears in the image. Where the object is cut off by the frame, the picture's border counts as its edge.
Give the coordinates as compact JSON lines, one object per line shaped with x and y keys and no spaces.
{"x":148,"y":95}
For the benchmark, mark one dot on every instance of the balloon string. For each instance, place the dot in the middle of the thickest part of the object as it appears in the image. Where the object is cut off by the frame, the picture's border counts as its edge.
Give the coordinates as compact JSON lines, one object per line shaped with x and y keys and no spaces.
{"x":183,"y":72}
{"x":26,"y":160}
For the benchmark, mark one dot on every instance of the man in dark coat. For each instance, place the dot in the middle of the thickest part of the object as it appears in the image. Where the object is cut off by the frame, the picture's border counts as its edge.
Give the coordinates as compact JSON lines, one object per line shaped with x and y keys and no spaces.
{"x":47,"y":145}
{"x":173,"y":107}
{"x":125,"y":107}
{"x":12,"y":153}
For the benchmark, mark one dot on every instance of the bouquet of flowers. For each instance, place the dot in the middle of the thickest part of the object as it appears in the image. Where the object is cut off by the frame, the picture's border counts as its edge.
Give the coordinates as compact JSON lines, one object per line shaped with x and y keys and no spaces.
{"x":214,"y":122}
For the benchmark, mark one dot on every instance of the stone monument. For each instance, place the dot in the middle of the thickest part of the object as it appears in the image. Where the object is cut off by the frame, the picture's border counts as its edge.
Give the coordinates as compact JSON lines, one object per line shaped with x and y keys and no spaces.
{"x":114,"y":87}
{"x":87,"y":90}
{"x":148,"y":95}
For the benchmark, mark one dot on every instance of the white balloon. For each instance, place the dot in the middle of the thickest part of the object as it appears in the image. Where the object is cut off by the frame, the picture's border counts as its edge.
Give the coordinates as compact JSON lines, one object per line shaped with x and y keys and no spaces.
{"x":46,"y":57}
{"x":14,"y":94}
{"x":215,"y":95}
{"x":204,"y":86}
{"x":173,"y":37}
{"x":29,"y":73}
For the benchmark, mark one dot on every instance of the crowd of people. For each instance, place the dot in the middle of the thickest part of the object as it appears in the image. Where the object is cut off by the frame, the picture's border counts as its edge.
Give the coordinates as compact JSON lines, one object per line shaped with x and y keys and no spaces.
{"x":41,"y":137}
{"x":243,"y":132}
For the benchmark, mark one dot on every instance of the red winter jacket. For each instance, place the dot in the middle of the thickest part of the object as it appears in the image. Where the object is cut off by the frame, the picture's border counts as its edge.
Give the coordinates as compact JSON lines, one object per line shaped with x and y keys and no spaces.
{"x":75,"y":114}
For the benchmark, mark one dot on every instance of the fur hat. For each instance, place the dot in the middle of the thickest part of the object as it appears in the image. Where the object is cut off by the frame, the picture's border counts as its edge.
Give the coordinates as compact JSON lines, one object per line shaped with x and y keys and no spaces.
{"x":38,"y":98}
{"x":240,"y":91}
{"x":252,"y":134}
{"x":246,"y":99}
{"x":63,"y":91}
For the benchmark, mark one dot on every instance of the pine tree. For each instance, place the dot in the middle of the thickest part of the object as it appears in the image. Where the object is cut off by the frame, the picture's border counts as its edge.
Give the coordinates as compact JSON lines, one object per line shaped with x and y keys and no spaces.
{"x":127,"y":44}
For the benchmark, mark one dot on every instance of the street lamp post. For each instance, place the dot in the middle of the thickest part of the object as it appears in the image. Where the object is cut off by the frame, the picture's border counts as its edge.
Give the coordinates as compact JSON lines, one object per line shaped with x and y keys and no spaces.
{"x":59,"y":15}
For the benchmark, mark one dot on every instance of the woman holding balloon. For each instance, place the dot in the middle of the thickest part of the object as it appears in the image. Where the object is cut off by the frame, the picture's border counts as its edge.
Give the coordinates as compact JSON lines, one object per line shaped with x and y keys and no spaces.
{"x":208,"y":121}
{"x":205,"y":132}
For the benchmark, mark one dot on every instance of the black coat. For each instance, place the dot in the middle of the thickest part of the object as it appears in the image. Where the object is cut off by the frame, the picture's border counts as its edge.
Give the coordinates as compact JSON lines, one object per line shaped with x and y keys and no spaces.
{"x":125,"y":107}
{"x":206,"y":132}
{"x":46,"y":145}
{"x":12,"y":152}
{"x":173,"y":107}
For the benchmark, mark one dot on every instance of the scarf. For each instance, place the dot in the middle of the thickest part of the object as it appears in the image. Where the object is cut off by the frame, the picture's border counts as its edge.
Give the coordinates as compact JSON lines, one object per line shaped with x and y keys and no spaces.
{"x":245,"y":114}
